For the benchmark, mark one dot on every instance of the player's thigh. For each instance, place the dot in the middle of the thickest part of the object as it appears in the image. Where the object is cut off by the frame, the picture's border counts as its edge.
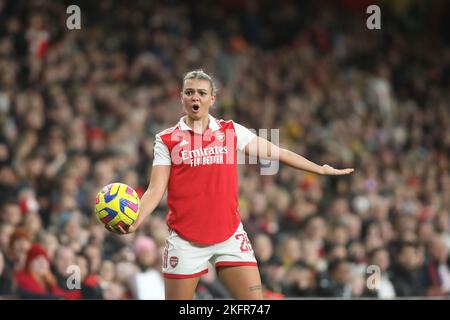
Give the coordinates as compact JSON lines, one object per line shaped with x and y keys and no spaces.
{"x":180,"y":289}
{"x":243,"y":282}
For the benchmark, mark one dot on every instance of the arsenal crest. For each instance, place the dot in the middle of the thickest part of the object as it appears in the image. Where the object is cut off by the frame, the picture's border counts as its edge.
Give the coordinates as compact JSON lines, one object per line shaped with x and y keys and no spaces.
{"x":173,"y":261}
{"x":220,"y":136}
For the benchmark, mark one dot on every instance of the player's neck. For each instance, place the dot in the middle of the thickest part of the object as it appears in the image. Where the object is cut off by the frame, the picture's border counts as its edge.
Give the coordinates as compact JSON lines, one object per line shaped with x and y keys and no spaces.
{"x":198,"y":126}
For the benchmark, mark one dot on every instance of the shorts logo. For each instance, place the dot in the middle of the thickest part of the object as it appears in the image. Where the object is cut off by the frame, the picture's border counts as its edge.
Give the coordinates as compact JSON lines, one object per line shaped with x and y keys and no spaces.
{"x":220,"y":136}
{"x":173,"y":261}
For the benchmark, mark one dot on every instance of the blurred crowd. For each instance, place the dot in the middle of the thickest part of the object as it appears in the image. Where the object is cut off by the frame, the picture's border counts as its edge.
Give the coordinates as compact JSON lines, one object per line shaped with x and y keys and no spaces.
{"x":79,"y":109}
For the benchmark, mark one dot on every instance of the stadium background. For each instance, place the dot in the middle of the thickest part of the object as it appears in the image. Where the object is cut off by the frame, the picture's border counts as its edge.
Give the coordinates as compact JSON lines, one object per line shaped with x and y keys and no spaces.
{"x":79,"y":109}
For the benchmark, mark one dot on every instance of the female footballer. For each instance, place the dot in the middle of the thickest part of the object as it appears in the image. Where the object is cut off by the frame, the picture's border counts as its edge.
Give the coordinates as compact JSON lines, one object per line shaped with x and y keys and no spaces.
{"x":195,"y":160}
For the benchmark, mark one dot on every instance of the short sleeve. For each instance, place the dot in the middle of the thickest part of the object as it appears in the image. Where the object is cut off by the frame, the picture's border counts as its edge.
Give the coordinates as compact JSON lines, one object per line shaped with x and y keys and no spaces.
{"x":160,"y":153}
{"x":243,"y":135}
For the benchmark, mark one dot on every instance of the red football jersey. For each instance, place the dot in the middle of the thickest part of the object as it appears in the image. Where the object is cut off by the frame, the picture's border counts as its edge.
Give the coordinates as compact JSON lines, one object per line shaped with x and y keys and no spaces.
{"x":203,"y":183}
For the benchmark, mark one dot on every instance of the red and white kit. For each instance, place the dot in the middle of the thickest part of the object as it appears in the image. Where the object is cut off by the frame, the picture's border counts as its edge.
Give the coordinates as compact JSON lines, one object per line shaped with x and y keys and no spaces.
{"x":203,"y":217}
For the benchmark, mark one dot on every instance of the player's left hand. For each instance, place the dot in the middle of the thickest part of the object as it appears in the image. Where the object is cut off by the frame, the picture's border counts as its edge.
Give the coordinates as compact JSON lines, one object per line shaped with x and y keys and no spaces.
{"x":330,"y":171}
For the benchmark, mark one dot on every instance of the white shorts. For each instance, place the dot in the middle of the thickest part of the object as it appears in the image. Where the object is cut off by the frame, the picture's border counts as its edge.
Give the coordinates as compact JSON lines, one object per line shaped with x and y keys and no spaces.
{"x":184,"y":259}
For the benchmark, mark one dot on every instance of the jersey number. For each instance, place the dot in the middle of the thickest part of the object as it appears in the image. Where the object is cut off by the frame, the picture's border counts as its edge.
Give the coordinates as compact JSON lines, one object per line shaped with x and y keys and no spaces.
{"x":245,"y":243}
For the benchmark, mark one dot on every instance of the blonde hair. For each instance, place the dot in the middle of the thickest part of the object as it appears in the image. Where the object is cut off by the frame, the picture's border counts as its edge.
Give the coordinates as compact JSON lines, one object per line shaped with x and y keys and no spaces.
{"x":200,"y":74}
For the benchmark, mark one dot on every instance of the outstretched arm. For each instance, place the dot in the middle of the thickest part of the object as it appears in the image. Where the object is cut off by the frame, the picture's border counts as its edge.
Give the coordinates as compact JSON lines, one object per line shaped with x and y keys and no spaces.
{"x":150,"y":199}
{"x":265,"y":149}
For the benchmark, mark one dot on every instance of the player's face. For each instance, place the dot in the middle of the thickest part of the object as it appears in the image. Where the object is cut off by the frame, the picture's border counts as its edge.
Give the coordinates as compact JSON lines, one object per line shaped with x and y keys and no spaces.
{"x":197,"y":98}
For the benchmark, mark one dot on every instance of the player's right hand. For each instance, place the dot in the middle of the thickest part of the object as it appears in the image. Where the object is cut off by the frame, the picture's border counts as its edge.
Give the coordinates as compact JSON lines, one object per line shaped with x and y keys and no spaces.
{"x":121,"y":230}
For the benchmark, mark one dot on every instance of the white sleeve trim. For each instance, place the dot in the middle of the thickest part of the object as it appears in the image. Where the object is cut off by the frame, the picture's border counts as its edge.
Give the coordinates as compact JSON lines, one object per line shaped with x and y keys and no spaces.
{"x":161,"y":155}
{"x":243,"y":135}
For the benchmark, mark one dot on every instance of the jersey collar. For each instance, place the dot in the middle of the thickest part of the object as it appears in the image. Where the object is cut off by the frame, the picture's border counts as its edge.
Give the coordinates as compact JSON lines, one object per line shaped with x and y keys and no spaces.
{"x":213,"y":124}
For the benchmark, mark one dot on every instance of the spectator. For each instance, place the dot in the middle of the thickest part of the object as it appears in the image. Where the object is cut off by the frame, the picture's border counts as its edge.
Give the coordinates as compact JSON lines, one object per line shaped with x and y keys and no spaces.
{"x":263,"y":248}
{"x":113,"y":291}
{"x":93,"y":256}
{"x":357,"y":257}
{"x":107,"y":271}
{"x":147,"y":283}
{"x":289,"y":251}
{"x":336,"y":251}
{"x":315,"y":230}
{"x":438,"y":268}
{"x":33,"y":224}
{"x":406,"y":276}
{"x":6,"y":231}
{"x":337,"y":283}
{"x":300,"y":281}
{"x":313,"y":255}
{"x":383,"y":287}
{"x":63,"y":261}
{"x":49,"y":242}
{"x":442,"y":220}
{"x":124,"y":274}
{"x":6,"y":285}
{"x":90,"y":283}
{"x":19,"y":245}
{"x":11,"y":214}
{"x":274,"y":275}
{"x":36,"y":280}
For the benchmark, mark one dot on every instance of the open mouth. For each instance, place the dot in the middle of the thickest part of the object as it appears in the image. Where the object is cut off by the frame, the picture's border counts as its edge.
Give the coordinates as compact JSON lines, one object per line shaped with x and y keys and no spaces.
{"x":195,"y":107}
